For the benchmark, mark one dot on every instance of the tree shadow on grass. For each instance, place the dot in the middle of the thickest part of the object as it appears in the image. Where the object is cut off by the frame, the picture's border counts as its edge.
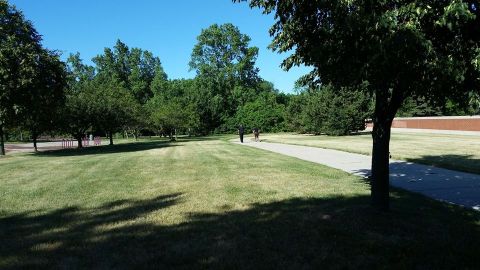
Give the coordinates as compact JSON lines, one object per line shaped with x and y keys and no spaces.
{"x":305,"y":233}
{"x":109,"y":149}
{"x":465,"y":163}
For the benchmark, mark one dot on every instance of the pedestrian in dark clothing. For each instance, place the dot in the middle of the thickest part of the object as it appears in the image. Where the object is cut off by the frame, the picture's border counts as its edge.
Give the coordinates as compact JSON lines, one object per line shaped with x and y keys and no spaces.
{"x":241,"y":130}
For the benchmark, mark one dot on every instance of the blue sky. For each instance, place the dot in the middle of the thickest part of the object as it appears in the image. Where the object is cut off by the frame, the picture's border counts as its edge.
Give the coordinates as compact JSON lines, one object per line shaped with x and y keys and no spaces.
{"x":165,"y":27}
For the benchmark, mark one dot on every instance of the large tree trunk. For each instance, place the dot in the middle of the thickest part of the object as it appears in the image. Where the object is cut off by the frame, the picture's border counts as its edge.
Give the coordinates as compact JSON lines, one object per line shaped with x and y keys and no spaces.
{"x":385,"y":108}
{"x":380,"y":164}
{"x":2,"y":143}
{"x":111,"y":137}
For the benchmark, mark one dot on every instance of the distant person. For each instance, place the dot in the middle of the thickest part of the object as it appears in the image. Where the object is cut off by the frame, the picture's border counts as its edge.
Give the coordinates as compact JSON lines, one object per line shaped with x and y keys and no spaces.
{"x":256,"y":133}
{"x":241,"y":130}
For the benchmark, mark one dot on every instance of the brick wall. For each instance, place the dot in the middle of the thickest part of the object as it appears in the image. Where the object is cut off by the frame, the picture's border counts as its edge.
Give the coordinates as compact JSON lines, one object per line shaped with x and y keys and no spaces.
{"x":465,"y":123}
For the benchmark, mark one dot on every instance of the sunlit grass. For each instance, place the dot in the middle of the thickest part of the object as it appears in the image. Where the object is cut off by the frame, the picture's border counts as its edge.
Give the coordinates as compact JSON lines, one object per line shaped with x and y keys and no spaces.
{"x":208,"y":203}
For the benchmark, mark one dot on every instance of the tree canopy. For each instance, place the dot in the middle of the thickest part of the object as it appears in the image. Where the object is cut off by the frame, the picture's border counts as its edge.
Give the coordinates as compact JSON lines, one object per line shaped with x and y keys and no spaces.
{"x":32,"y":78}
{"x":397,"y":48}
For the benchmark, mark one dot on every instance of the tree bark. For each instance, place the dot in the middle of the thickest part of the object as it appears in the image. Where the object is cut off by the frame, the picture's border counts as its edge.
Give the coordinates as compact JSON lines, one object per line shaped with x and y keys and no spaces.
{"x":382,"y":122}
{"x":2,"y":143}
{"x":380,"y":165}
{"x":111,"y":137}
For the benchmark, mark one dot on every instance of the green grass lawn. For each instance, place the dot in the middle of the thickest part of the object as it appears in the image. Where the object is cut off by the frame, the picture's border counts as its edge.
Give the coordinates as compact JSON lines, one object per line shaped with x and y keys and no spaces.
{"x":208,"y":203}
{"x":456,"y":152}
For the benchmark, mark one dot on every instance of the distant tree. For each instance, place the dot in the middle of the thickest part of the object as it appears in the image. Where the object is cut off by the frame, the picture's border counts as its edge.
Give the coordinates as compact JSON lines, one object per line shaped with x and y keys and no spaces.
{"x":295,"y":119}
{"x":173,"y":108}
{"x":398,"y":48}
{"x":113,"y":105}
{"x":264,"y":113}
{"x":334,"y":111}
{"x":225,"y":66}
{"x":19,"y":48}
{"x":134,"y":68}
{"x":419,"y":106}
{"x":79,"y":113}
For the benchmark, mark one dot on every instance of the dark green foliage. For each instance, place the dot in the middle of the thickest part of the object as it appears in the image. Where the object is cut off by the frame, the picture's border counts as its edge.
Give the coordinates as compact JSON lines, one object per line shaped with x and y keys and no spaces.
{"x":336,"y":111}
{"x":134,"y":68}
{"x":46,"y":96}
{"x":263,"y":113}
{"x":295,"y":113}
{"x":32,"y":78}
{"x":226,"y":74}
{"x":114,"y":106}
{"x":173,"y":109}
{"x":413,"y":107}
{"x":328,"y":110}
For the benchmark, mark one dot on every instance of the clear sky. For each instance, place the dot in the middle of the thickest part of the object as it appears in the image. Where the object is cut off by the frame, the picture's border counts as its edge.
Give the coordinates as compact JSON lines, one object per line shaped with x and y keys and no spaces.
{"x":168,"y":28}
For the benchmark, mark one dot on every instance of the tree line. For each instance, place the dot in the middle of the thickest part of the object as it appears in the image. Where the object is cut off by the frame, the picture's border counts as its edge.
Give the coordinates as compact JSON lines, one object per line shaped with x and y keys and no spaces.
{"x":128,"y":91}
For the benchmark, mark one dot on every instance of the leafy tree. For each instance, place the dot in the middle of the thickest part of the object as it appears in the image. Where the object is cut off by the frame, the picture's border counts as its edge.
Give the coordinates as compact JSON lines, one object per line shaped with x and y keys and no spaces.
{"x":46,"y":95}
{"x":113,"y":105}
{"x":173,"y":107}
{"x":418,"y":106}
{"x":398,"y":48}
{"x":295,"y":113}
{"x":263,"y":113}
{"x":225,"y":66}
{"x":79,"y":112}
{"x":134,"y":68}
{"x":19,"y":48}
{"x":336,"y":111}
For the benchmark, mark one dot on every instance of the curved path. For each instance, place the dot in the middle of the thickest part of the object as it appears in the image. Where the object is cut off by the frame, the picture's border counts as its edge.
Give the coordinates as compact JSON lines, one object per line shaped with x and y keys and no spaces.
{"x":441,"y":184}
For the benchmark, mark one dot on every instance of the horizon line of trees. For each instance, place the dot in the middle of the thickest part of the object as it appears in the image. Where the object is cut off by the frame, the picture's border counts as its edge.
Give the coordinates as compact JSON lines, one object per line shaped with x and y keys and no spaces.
{"x":128,"y":91}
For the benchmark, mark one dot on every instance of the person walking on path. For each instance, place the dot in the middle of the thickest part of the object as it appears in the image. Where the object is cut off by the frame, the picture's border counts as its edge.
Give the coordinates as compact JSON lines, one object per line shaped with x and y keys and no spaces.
{"x":256,"y":133}
{"x":241,"y":130}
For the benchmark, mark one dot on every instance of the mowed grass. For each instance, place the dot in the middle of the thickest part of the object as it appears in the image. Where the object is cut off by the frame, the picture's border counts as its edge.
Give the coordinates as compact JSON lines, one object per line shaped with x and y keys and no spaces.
{"x":456,"y":152}
{"x":209,"y":203}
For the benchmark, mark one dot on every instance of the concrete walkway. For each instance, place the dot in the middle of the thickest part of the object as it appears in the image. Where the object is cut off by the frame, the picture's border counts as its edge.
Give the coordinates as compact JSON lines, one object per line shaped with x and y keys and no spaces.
{"x":441,"y":184}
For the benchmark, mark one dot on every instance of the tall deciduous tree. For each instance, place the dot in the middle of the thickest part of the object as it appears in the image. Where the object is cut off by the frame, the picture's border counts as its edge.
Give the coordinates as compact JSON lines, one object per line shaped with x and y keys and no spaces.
{"x":19,"y":46}
{"x":134,"y":68}
{"x":79,"y":112}
{"x":46,"y":95}
{"x":398,"y":48}
{"x":225,"y":64}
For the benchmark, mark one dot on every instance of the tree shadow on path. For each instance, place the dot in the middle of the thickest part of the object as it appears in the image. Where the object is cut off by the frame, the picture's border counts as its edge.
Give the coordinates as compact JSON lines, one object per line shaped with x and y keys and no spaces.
{"x":465,"y":163}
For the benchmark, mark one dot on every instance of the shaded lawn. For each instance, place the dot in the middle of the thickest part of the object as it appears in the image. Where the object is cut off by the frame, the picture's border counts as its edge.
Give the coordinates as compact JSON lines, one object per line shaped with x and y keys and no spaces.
{"x":212,"y":204}
{"x":456,"y":152}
